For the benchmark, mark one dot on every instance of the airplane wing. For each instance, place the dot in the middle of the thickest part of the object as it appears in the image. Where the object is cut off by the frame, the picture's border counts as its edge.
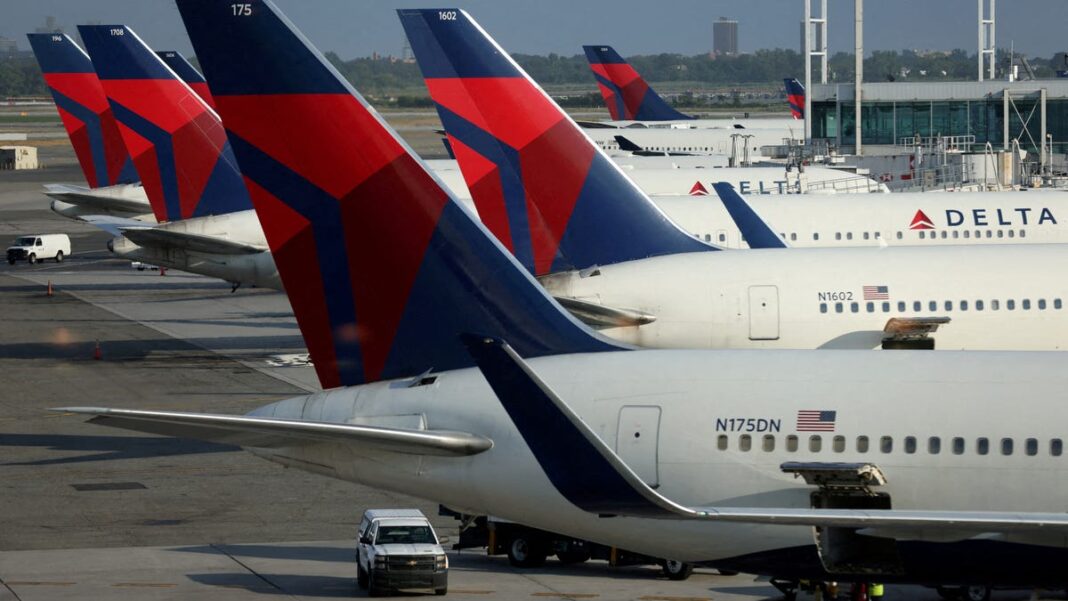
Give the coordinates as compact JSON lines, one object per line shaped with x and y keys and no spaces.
{"x":754,"y":228}
{"x":85,"y":197}
{"x":110,"y":224}
{"x":266,"y":432}
{"x":590,"y":475}
{"x":160,"y":237}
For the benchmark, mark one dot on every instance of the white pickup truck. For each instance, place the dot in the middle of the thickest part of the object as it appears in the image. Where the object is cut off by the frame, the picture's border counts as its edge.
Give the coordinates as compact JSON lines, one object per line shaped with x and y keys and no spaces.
{"x":38,"y":248}
{"x":398,"y":549}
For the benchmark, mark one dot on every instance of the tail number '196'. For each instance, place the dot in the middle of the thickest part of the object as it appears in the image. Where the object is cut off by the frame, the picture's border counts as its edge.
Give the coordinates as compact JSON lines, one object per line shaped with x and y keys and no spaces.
{"x":748,"y":424}
{"x":446,"y":15}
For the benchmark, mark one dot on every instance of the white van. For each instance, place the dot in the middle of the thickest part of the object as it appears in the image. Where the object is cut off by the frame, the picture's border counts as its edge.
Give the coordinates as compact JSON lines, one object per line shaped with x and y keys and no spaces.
{"x":38,"y":248}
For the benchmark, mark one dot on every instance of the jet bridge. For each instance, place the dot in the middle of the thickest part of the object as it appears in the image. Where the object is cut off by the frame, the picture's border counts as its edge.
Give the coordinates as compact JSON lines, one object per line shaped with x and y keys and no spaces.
{"x":849,"y":486}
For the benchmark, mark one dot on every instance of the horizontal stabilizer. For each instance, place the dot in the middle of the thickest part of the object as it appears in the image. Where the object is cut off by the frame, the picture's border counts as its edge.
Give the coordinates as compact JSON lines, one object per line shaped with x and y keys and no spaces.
{"x":111,"y":225}
{"x":754,"y":228}
{"x":84,"y":197}
{"x":591,"y":476}
{"x":600,"y":316}
{"x":265,"y":432}
{"x":161,"y":237}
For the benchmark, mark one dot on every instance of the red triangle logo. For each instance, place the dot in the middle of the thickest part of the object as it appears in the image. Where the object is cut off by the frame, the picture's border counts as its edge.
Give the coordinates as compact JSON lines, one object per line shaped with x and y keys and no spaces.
{"x":921,"y":222}
{"x":698,"y":189}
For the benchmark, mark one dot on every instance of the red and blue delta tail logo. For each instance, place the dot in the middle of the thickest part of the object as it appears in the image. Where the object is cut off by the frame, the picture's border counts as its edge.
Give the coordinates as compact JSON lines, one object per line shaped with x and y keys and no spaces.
{"x":795,"y":97}
{"x":625,"y":92}
{"x":177,"y":141}
{"x":181,"y":67}
{"x":84,"y":109}
{"x":383,"y":268}
{"x":547,"y":193}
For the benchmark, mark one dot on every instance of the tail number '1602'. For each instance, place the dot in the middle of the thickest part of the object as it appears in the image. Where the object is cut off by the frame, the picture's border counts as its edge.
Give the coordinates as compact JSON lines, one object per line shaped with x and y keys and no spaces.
{"x":446,"y":15}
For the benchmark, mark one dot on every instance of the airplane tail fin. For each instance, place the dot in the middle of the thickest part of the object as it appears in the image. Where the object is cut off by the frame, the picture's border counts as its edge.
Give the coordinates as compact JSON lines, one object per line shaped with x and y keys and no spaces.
{"x":84,"y":109}
{"x":181,"y":67}
{"x":625,"y":92}
{"x":795,"y":97}
{"x":547,"y":192}
{"x":177,"y":141}
{"x":383,"y":267}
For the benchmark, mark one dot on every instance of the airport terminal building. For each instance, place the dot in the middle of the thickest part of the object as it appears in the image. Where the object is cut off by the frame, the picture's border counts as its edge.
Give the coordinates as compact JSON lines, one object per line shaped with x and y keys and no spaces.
{"x":995,"y":112}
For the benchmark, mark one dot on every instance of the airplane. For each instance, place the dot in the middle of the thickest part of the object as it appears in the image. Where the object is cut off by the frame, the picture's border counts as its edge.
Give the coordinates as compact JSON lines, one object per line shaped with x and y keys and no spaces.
{"x":596,"y":242}
{"x":795,"y":96}
{"x":773,"y":473}
{"x":206,"y":221}
{"x":113,"y":185}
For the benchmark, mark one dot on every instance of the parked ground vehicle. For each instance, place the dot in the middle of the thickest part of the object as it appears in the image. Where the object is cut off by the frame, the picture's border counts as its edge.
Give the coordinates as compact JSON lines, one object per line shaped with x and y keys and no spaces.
{"x":38,"y":248}
{"x":529,"y":547}
{"x":398,"y":549}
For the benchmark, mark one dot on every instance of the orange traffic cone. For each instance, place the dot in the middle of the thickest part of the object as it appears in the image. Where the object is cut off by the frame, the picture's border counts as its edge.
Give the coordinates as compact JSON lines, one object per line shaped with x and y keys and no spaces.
{"x":97,"y":353}
{"x":49,"y":292}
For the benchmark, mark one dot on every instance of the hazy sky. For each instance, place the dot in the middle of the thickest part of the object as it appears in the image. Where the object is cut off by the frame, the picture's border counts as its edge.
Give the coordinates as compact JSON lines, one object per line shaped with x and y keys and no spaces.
{"x":359,"y":27}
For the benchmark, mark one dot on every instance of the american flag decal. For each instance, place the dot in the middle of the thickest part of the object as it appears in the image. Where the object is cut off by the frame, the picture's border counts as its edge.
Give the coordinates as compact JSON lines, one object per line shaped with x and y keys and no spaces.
{"x":876,"y":293}
{"x":809,"y":420}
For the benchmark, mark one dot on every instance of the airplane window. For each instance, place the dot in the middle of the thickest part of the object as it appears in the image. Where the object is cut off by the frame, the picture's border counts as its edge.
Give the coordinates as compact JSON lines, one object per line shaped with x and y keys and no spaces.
{"x":886,"y":444}
{"x":838,"y":235}
{"x":910,"y":444}
{"x":1010,"y":305}
{"x":815,"y":235}
{"x":1056,"y":447}
{"x":963,"y":305}
{"x":791,"y":443}
{"x":849,"y":235}
{"x":837,"y":307}
{"x":944,"y":234}
{"x":793,"y":236}
{"x":708,"y":238}
{"x":865,"y":235}
{"x":982,"y":446}
{"x":1001,"y":234}
{"x":989,"y":233}
{"x":871,"y":307}
{"x":958,"y":446}
{"x":878,"y":235}
{"x":922,"y":235}
{"x":900,"y":306}
{"x":917,"y":306}
{"x":815,"y":443}
{"x":854,"y":307}
{"x":1012,"y":233}
{"x":823,"y":307}
{"x":1023,"y":233}
{"x":949,"y":305}
{"x":1006,"y":446}
{"x":886,"y":307}
{"x":839,"y":444}
{"x":899,"y":235}
{"x":1026,"y":304}
{"x":956,"y":234}
{"x":769,"y":443}
{"x":723,"y":237}
{"x":745,"y":442}
{"x":934,"y":445}
{"x":978,"y":233}
{"x":1056,"y":303}
{"x":978,"y":305}
{"x":1031,"y":446}
{"x":1042,"y":304}
{"x":782,"y":235}
{"x":932,"y":306}
{"x":721,"y":442}
{"x":862,"y":444}
{"x":967,"y":234}
{"x":995,"y":305}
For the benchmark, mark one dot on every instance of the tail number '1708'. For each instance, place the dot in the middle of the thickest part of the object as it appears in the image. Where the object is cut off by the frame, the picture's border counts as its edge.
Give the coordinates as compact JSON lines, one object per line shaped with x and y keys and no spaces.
{"x":748,"y":424}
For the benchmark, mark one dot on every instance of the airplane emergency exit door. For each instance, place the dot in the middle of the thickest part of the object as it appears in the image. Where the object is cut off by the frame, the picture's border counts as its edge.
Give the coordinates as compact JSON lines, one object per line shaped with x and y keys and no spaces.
{"x":637,"y":441}
{"x":763,"y":313}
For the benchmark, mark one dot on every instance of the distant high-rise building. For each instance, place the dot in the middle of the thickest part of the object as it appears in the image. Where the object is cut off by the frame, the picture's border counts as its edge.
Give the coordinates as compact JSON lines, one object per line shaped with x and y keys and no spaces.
{"x":50,"y":26}
{"x":725,"y":36}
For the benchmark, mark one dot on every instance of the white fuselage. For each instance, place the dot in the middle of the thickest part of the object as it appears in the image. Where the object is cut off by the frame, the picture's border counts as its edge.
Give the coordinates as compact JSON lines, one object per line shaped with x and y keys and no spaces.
{"x":708,"y":140}
{"x":715,"y":428}
{"x":782,"y":123}
{"x":998,"y":297}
